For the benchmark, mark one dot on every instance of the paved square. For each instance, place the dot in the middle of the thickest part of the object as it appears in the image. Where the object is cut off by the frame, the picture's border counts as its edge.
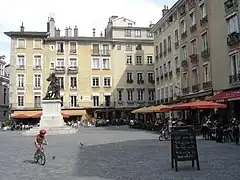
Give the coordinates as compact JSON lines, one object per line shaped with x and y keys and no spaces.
{"x":113,"y":153}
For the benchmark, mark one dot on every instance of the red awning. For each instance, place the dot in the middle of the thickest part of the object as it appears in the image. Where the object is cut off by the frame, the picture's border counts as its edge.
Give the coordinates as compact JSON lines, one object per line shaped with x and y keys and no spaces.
{"x":37,"y":116}
{"x":230,"y":95}
{"x":20,"y":116}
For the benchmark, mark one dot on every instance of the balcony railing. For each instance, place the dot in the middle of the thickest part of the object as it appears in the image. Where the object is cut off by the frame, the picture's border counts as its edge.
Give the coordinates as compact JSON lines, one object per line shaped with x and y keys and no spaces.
{"x":185,"y":90}
{"x":72,"y":69}
{"x":158,"y":79}
{"x":156,"y":58}
{"x":195,"y":88}
{"x":129,"y":81}
{"x":191,"y":4}
{"x":36,"y":67}
{"x":166,"y":75}
{"x":161,"y":77}
{"x":230,"y":6}
{"x":233,"y":39}
{"x":19,"y":67}
{"x":193,"y":28}
{"x":176,"y":44}
{"x":60,"y":70}
{"x":184,"y":35}
{"x":234,"y":79}
{"x":194,"y":58}
{"x":184,"y":63}
{"x":207,"y":85}
{"x":140,"y":81}
{"x":170,"y":74}
{"x":205,"y":53}
{"x":204,"y":20}
{"x":178,"y":70}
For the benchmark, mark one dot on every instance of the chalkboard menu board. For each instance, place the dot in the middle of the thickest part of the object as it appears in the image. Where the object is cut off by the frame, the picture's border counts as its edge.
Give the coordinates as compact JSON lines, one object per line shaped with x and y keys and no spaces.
{"x":184,"y":146}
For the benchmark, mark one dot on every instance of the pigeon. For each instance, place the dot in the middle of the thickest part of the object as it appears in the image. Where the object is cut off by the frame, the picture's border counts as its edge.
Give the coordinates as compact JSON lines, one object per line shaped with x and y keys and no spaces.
{"x":54,"y":157}
{"x":81,"y":144}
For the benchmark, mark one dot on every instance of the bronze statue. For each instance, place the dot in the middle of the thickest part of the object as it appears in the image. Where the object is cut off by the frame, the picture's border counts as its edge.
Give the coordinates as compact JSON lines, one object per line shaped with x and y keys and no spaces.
{"x":53,"y":91}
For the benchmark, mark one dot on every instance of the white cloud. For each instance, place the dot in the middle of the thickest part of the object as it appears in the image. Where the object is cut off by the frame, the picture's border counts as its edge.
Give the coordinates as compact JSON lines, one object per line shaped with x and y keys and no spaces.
{"x":86,"y":14}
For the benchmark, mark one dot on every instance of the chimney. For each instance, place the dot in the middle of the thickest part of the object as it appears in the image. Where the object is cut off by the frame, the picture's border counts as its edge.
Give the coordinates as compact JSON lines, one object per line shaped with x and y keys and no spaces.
{"x":75,"y":31}
{"x":66,"y":32}
{"x":94,"y":32}
{"x":52,"y":27}
{"x":69,"y":32}
{"x":57,"y":32}
{"x":101,"y":34}
{"x":22,"y":28}
{"x":48,"y":26}
{"x":165,"y":10}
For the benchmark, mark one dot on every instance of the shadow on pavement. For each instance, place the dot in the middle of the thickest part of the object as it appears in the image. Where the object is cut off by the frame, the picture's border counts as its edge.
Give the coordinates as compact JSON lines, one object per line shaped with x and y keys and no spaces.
{"x":29,"y":161}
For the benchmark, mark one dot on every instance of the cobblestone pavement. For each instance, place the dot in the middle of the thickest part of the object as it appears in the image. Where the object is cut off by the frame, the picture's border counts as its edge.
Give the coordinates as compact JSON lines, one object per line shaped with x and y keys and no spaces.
{"x":114,"y":153}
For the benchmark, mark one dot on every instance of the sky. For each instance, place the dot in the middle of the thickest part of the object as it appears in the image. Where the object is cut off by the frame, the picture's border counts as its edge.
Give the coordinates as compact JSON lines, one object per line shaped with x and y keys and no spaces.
{"x":86,"y":14}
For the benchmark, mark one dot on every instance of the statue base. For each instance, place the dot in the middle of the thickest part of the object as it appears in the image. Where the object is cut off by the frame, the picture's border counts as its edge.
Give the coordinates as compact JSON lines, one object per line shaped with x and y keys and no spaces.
{"x":51,"y":120}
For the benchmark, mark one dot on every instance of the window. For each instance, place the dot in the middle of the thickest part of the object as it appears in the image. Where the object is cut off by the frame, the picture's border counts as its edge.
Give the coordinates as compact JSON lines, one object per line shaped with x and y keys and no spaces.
{"x":61,"y":101}
{"x":129,"y":60}
{"x":161,"y":70}
{"x":203,"y":12}
{"x":176,"y":35}
{"x":129,"y":76}
{"x":194,"y":46}
{"x":176,"y":62}
{"x":130,"y":95}
{"x":95,"y":100}
{"x":170,"y":91}
{"x":107,"y":82}
{"x":128,"y":47}
{"x":204,"y":41}
{"x":95,"y":81}
{"x":185,"y":53}
{"x":206,"y":73}
{"x":73,"y":62}
{"x":169,"y":43}
{"x":60,"y":63}
{"x":61,"y":82}
{"x":73,"y":101}
{"x":183,"y":26}
{"x":37,"y":44}
{"x":20,"y":100}
{"x":37,"y":80}
{"x":105,"y":63}
{"x":73,"y":82}
{"x":162,"y":93}
{"x":165,"y":68}
{"x":169,"y":66}
{"x":5,"y":96}
{"x":165,"y":45}
{"x":37,"y":61}
{"x":149,"y":34}
{"x":192,"y":19}
{"x":156,"y":50}
{"x":235,"y":64}
{"x":149,"y":59}
{"x":21,"y":43}
{"x":119,"y":47}
{"x":139,"y":60}
{"x":140,"y":95}
{"x":233,"y":24}
{"x":150,"y":77}
{"x":21,"y":61}
{"x":137,"y":33}
{"x":151,"y":94}
{"x":185,"y":80}
{"x":166,"y":92}
{"x":139,"y":47}
{"x":73,"y":48}
{"x":52,"y":65}
{"x":95,"y":63}
{"x":105,"y":49}
{"x":139,"y":76}
{"x":195,"y":76}
{"x":156,"y":72}
{"x":128,"y":32}
{"x":95,"y":49}
{"x":20,"y":81}
{"x":37,"y":101}
{"x":120,"y":95}
{"x":60,"y":47}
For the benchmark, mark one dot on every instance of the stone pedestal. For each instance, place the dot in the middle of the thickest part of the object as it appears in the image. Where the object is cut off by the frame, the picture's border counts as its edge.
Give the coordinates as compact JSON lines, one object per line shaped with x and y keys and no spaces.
{"x":51,"y":120}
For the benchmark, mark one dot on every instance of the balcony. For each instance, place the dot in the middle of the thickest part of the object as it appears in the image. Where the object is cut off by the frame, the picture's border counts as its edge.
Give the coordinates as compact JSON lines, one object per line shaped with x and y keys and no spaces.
{"x":178,"y":70}
{"x":151,"y":81}
{"x":231,"y":6}
{"x":166,"y":75}
{"x":233,"y":39}
{"x":204,"y":20}
{"x":205,"y":53}
{"x":233,"y":79}
{"x":184,"y":63}
{"x":60,"y":70}
{"x":184,"y":35}
{"x":37,"y":67}
{"x":194,"y":58}
{"x":195,"y":88}
{"x":185,"y":90}
{"x":20,"y":87}
{"x":72,"y":69}
{"x":60,"y":51}
{"x":193,"y":28}
{"x":191,"y":4}
{"x":129,"y":81}
{"x":176,"y":44}
{"x":170,"y":74}
{"x":207,"y":85}
{"x":140,"y":81}
{"x":182,"y":10}
{"x":20,"y":67}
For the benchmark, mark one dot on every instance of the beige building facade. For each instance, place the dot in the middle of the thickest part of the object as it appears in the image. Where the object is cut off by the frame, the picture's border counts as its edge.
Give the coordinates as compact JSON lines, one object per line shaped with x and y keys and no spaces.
{"x":113,"y":70}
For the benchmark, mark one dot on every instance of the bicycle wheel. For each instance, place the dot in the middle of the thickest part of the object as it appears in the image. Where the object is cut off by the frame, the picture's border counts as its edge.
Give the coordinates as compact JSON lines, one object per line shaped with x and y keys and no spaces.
{"x":36,"y":157}
{"x":43,"y":159}
{"x":161,"y":137}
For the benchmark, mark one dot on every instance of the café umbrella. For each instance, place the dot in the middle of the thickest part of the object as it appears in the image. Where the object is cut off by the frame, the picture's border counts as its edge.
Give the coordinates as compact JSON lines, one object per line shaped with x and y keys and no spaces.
{"x":159,"y":108}
{"x":140,"y":110}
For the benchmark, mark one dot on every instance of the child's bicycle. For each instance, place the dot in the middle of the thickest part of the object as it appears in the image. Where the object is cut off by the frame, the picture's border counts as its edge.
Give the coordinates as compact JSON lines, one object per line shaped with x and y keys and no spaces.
{"x":40,"y":155}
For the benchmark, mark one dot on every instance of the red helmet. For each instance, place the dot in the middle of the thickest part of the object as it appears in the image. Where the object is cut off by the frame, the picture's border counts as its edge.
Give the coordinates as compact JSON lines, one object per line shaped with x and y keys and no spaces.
{"x":42,"y":131}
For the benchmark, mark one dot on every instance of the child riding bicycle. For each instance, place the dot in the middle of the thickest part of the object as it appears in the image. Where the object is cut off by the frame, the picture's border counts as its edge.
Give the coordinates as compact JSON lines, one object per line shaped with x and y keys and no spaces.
{"x":40,"y":140}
